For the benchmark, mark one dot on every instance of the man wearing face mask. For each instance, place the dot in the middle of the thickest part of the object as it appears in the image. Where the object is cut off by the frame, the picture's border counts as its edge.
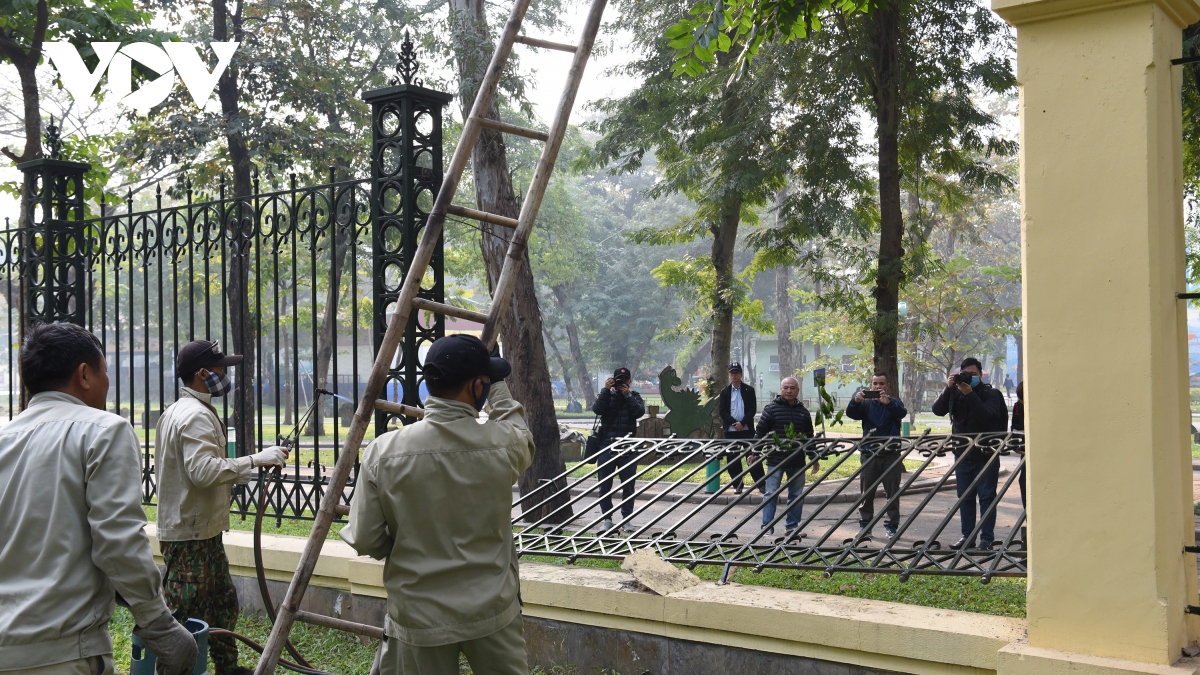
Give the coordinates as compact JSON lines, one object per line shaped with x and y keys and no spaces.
{"x":974,"y":407}
{"x":194,"y":478}
{"x":434,"y":501}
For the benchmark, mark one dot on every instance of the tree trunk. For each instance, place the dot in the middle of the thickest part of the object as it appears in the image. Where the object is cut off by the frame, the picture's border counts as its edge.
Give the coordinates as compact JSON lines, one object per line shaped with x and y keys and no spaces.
{"x":724,"y":243}
{"x":581,"y":371}
{"x":327,"y":337}
{"x":562,"y":364}
{"x":641,"y":352}
{"x":884,"y":30}
{"x":689,"y":369}
{"x":237,"y":283}
{"x":521,"y":331}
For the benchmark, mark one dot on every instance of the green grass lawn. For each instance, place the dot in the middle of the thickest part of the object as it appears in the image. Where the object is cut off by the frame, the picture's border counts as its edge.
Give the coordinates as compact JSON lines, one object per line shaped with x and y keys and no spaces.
{"x":325,"y":648}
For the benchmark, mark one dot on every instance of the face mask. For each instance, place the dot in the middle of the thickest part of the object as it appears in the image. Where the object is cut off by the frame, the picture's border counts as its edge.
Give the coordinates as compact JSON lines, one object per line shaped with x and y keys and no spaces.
{"x":218,"y":384}
{"x":482,"y":400}
{"x":974,"y":381}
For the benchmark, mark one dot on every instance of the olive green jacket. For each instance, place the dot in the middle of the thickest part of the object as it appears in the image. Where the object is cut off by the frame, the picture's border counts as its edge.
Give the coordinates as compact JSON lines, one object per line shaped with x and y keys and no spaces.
{"x":73,"y":533}
{"x":435,"y":500}
{"x":193,"y":471}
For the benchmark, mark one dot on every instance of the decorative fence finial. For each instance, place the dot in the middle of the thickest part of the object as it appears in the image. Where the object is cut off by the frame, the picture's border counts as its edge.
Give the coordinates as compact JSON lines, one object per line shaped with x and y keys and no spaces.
{"x":53,"y":142}
{"x":406,"y":66}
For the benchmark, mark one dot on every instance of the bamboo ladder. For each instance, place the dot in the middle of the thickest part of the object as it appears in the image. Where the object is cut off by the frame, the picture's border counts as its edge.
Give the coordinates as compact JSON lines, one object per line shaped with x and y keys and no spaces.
{"x":289,"y":611}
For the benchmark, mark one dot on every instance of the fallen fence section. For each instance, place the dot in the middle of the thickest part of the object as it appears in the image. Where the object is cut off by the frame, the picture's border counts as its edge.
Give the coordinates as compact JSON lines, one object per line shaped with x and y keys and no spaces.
{"x":680,"y":498}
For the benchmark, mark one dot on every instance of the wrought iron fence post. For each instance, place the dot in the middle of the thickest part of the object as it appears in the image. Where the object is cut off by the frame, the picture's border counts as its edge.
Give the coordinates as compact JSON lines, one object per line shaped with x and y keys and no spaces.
{"x":406,"y":174}
{"x":53,"y":248}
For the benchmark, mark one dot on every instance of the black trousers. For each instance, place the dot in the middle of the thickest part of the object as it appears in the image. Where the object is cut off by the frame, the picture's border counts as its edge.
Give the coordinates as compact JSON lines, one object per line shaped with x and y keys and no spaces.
{"x":872,"y":468}
{"x":626,"y":468}
{"x":735,"y":465}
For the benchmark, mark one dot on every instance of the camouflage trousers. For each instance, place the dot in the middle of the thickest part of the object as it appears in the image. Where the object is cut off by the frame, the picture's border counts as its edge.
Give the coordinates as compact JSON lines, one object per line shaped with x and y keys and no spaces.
{"x":196,"y":585}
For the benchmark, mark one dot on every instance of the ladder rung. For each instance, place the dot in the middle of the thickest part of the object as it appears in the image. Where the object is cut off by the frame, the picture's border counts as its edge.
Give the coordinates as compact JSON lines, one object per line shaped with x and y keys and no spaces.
{"x":505,"y":127}
{"x":482,"y":216}
{"x":450,"y":310}
{"x":398,"y":408}
{"x":340,"y":624}
{"x":546,"y":44}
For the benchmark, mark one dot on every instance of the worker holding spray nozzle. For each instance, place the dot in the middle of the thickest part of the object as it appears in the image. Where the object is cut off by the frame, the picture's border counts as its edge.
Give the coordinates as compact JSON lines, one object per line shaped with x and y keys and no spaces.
{"x":194,"y":478}
{"x":74,"y":530}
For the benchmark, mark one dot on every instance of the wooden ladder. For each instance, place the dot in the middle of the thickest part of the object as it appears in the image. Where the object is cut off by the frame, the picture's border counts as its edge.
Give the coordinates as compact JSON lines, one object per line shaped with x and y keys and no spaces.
{"x":331,"y":506}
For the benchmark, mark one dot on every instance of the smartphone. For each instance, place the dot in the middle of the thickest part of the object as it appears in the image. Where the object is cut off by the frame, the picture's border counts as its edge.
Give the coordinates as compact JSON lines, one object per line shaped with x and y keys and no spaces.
{"x":871,"y":393}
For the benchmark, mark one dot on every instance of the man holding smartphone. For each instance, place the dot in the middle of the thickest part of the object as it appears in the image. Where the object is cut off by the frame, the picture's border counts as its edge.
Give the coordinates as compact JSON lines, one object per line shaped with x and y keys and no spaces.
{"x":881,"y":415}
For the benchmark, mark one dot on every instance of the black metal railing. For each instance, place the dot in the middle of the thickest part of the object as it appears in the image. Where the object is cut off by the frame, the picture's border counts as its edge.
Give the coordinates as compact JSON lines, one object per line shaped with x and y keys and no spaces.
{"x":689,"y":518}
{"x":158,"y":278}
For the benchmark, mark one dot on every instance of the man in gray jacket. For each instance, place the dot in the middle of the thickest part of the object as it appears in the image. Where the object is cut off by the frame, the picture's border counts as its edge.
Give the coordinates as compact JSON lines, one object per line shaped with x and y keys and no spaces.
{"x":194,"y":477}
{"x":74,"y":538}
{"x":434,"y":500}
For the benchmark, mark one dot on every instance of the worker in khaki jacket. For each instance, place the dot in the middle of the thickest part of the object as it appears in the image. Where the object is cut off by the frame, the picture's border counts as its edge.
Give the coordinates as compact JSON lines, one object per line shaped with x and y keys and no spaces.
{"x":194,"y":478}
{"x":434,"y":499}
{"x":74,"y":530}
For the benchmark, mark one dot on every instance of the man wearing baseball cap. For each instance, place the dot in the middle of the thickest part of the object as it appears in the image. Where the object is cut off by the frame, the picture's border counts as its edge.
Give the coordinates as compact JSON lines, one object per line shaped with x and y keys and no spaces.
{"x":619,"y":409}
{"x":434,"y":501}
{"x":194,"y":476}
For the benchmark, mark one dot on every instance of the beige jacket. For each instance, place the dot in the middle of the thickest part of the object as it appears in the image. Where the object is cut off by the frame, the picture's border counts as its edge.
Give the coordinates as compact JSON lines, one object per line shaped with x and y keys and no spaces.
{"x":73,"y":532}
{"x":435,"y":499}
{"x":193,"y":471}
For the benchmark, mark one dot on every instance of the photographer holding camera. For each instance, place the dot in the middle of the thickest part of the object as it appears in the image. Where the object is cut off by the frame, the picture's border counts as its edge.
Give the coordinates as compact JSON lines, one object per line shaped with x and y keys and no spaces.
{"x":974,"y":408}
{"x":619,"y":409}
{"x":880,"y":415}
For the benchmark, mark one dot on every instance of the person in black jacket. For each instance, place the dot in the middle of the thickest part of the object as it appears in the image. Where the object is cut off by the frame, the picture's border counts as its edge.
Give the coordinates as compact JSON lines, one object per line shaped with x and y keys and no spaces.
{"x":737,"y":407}
{"x":619,"y":409}
{"x":880,"y":417}
{"x":787,"y":417}
{"x":1018,"y":424}
{"x":974,"y":408}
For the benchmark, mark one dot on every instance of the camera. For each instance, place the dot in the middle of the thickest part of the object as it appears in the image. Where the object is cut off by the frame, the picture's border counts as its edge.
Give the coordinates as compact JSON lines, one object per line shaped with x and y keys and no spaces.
{"x":961,"y":378}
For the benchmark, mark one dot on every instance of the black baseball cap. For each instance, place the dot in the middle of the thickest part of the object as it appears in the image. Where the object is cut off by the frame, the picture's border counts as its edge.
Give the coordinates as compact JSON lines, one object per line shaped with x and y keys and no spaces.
{"x":735,"y":367}
{"x":199,"y":354}
{"x":458,"y":358}
{"x":622,"y":374}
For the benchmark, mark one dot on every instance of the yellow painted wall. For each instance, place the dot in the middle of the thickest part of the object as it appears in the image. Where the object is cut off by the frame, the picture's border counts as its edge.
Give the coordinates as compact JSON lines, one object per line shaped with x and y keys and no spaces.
{"x":1106,"y":361}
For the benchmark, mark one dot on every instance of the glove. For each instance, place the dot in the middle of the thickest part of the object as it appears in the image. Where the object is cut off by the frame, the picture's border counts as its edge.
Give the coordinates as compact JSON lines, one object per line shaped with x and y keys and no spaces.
{"x":275,"y":455}
{"x":173,"y":646}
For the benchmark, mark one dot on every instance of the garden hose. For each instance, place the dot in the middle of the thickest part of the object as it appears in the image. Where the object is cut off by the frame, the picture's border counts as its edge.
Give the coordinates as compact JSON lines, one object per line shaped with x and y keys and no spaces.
{"x":221,"y":632}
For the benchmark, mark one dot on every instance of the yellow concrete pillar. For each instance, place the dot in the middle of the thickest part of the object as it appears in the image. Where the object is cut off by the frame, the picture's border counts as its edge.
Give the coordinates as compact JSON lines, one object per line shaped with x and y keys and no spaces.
{"x":1105,"y":339}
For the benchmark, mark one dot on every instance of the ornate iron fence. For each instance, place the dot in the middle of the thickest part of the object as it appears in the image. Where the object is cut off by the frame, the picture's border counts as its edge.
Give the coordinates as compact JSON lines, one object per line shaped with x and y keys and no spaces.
{"x":299,"y":279}
{"x":673,"y":507}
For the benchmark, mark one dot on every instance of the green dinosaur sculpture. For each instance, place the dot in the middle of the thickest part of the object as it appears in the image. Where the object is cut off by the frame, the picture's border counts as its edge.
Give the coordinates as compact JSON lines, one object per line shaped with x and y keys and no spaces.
{"x":686,"y":413}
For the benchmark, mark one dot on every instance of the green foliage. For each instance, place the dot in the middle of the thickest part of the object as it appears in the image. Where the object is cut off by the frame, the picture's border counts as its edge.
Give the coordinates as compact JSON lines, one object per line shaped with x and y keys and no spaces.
{"x":746,"y":25}
{"x":828,"y":409}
